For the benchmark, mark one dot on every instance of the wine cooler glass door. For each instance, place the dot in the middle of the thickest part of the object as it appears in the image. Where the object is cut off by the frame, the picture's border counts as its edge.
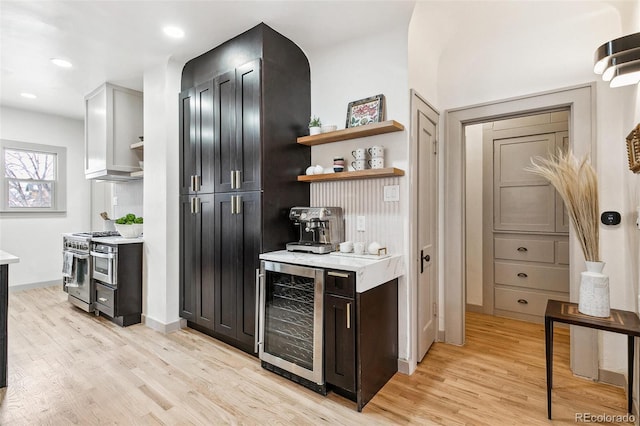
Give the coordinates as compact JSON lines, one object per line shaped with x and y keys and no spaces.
{"x":292,"y":319}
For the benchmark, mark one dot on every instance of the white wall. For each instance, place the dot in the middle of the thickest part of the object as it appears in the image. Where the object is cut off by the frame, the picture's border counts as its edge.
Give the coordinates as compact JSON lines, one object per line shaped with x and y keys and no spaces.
{"x":161,"y":203}
{"x":366,"y":67}
{"x":37,"y":239}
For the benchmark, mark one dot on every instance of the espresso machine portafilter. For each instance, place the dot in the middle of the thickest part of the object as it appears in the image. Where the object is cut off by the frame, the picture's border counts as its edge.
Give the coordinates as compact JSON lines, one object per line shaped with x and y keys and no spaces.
{"x":320,"y":229}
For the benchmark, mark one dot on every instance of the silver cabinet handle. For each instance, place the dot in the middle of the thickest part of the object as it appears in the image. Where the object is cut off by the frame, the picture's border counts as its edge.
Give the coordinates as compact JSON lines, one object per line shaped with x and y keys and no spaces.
{"x":193,"y":183}
{"x":233,"y":179}
{"x":195,"y":205}
{"x":348,"y":315}
{"x":337,"y":274}
{"x":522,"y":249}
{"x":196,"y":183}
{"x":233,"y":204}
{"x":238,"y":180}
{"x":238,"y":204}
{"x":103,"y":299}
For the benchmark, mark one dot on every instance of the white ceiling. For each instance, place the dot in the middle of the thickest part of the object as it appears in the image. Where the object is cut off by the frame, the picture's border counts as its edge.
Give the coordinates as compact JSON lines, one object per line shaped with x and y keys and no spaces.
{"x":116,"y":40}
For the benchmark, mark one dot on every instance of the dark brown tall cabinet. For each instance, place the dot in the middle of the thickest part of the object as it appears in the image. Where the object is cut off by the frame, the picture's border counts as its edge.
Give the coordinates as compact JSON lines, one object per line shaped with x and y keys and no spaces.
{"x":242,"y":106}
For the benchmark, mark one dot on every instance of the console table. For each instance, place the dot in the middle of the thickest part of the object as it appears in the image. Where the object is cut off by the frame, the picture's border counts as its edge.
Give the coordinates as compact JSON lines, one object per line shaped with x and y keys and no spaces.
{"x":5,"y":259}
{"x":623,"y":322}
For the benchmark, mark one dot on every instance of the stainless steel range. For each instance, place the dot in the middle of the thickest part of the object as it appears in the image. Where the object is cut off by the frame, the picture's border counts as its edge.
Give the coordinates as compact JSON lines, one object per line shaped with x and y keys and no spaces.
{"x":77,"y":266}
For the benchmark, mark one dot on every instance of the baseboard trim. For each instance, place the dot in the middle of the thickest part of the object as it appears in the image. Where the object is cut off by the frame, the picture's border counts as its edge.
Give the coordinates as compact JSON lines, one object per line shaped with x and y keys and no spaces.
{"x":42,"y":284}
{"x":404,"y":367}
{"x":441,"y":336}
{"x":612,"y":378}
{"x":162,"y":327}
{"x":478,"y":309}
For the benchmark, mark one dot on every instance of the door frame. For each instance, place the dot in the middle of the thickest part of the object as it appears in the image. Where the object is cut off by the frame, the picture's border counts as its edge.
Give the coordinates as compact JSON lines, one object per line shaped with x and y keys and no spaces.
{"x":414,"y":251}
{"x":582,"y":121}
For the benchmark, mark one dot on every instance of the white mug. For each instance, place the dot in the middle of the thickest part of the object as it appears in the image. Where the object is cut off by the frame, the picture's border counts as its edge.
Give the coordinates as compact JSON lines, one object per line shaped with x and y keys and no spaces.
{"x":376,"y":151}
{"x":359,"y":154}
{"x":346,"y":247}
{"x":358,"y":247}
{"x":377,"y":163}
{"x":359,"y":164}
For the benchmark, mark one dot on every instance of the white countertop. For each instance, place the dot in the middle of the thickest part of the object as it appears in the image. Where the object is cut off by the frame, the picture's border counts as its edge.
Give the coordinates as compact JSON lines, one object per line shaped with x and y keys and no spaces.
{"x":6,"y":258}
{"x":117,"y":240}
{"x":370,"y":273}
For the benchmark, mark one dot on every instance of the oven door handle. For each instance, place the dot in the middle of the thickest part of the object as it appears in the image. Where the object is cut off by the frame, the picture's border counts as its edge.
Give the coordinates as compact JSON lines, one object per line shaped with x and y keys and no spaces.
{"x":79,"y":256}
{"x":103,"y":255}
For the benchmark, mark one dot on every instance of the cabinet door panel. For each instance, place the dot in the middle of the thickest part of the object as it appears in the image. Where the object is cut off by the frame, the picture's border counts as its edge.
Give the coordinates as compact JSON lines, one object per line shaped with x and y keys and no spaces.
{"x":187,"y":129}
{"x":225,"y":131}
{"x":226,"y":261}
{"x":249,"y":233}
{"x":189,"y":258}
{"x":204,"y":136}
{"x":248,"y":95}
{"x":339,"y":350}
{"x":205,"y":308}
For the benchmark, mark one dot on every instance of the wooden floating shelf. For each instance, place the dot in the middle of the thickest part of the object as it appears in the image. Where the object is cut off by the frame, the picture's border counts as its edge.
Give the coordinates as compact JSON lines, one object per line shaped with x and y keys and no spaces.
{"x":139,"y":173}
{"x":359,"y":174}
{"x":352,"y":133}
{"x":137,"y":145}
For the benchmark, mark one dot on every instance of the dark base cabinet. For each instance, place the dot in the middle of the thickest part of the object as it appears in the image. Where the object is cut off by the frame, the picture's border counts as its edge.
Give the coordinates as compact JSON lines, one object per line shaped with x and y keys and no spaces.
{"x":360,"y":336}
{"x":123,"y":305}
{"x":4,"y":307}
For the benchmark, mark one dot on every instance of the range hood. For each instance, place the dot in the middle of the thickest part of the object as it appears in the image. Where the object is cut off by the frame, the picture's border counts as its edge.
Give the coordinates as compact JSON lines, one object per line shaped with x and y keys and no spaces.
{"x":113,"y":122}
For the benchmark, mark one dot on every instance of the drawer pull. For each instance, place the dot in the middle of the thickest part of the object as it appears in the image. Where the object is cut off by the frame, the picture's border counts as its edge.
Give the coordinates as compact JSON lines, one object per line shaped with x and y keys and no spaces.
{"x":337,"y":274}
{"x":522,"y":249}
{"x":523,"y":301}
{"x":103,"y":299}
{"x":522,"y":275}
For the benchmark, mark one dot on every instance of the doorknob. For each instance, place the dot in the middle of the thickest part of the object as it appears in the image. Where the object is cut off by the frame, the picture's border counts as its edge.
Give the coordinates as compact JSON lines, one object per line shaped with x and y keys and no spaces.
{"x":423,"y":258}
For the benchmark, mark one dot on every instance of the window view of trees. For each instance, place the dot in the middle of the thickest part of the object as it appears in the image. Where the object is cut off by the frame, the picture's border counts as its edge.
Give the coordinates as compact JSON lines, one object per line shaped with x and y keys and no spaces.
{"x":31,"y":177}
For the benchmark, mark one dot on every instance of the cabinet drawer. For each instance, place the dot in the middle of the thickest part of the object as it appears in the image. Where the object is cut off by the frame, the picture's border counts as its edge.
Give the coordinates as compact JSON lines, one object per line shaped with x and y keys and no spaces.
{"x":525,"y":302}
{"x":532,"y":276}
{"x":105,"y":299}
{"x":342,"y":283}
{"x":521,"y":249}
{"x":562,"y":252}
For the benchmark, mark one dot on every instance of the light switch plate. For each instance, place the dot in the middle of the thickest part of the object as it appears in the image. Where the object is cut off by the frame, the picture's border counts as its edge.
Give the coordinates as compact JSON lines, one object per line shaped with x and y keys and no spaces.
{"x":360,"y":223}
{"x":392,"y":193}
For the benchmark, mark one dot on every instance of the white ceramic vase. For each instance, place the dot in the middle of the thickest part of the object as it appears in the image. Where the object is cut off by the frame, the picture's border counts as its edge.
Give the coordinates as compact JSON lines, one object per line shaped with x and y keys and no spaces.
{"x":315,"y":130}
{"x":593,"y":299}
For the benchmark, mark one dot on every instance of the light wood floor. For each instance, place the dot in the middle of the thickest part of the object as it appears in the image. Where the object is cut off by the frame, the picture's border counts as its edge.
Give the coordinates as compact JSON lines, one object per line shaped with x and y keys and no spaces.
{"x":68,"y":367}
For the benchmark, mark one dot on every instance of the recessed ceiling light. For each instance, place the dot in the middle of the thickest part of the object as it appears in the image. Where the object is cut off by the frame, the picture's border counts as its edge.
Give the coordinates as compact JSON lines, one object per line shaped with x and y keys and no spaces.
{"x":173,"y":32}
{"x":62,"y":63}
{"x":28,"y":95}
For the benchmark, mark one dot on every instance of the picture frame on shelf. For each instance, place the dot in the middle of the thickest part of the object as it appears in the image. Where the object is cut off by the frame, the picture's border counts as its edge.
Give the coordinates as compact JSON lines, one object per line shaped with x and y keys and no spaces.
{"x":633,"y":149}
{"x":366,"y":111}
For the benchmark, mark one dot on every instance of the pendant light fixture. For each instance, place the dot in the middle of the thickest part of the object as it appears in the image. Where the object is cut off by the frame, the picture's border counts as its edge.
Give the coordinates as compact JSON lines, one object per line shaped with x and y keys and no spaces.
{"x":618,"y":61}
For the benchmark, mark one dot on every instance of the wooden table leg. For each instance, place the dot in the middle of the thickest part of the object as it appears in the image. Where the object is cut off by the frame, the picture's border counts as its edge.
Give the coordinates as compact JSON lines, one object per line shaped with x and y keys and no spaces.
{"x":548,"y":340}
{"x":630,"y":362}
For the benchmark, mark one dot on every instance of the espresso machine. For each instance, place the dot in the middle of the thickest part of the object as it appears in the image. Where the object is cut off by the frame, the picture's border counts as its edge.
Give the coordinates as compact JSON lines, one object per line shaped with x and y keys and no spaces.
{"x":320,"y":229}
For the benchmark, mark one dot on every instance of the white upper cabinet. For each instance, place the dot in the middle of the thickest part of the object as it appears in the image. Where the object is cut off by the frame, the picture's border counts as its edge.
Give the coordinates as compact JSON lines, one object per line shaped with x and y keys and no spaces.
{"x":113,"y":121}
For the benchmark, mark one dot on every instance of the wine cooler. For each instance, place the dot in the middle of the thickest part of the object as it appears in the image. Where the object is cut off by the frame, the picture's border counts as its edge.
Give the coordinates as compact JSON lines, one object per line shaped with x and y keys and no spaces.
{"x":291,"y":334}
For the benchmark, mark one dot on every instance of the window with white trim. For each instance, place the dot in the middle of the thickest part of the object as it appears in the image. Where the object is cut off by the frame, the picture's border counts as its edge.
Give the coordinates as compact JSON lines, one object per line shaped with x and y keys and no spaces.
{"x":33,"y":177}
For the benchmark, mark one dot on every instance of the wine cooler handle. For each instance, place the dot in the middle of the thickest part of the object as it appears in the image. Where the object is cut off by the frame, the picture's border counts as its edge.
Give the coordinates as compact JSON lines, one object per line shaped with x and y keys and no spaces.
{"x":257,"y":321}
{"x":261,"y":308}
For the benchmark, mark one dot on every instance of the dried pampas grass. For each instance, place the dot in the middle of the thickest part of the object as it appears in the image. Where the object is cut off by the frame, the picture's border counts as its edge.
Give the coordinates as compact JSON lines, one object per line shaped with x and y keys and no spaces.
{"x":577,"y":183}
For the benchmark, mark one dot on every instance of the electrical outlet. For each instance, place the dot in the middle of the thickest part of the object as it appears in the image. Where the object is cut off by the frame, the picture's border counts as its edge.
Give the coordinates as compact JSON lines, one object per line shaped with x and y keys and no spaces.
{"x":360,"y":223}
{"x":392,"y":193}
{"x":115,"y":201}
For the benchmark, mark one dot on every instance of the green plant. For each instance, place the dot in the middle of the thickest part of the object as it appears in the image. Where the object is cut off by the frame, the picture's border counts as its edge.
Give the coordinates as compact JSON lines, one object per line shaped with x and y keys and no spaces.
{"x":315,"y":122}
{"x":129,"y":219}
